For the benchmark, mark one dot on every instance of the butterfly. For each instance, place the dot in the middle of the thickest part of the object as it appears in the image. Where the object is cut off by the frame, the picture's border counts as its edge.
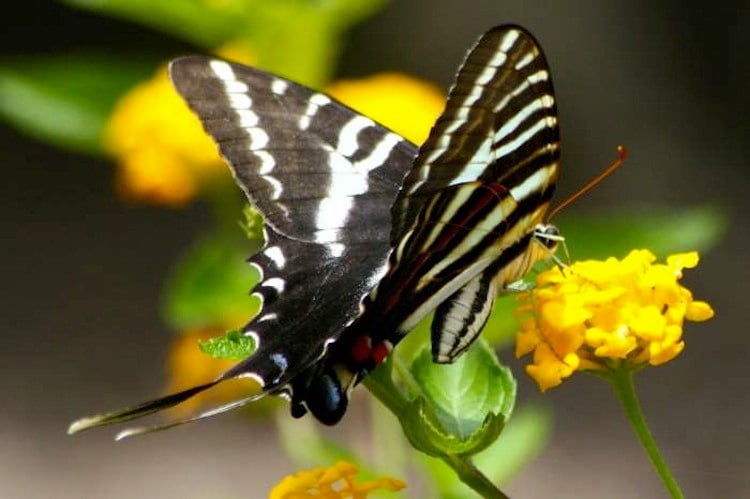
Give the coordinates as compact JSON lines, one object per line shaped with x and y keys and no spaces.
{"x":366,"y":234}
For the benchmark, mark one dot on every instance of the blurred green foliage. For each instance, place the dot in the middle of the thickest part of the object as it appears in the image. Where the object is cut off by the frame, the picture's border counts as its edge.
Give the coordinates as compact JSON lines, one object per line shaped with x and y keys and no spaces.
{"x":66,"y":99}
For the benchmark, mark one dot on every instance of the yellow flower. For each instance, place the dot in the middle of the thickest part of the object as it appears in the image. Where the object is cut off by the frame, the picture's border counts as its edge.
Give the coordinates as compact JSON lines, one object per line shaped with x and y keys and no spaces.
{"x":404,"y":104}
{"x":334,"y":482}
{"x":163,"y":154}
{"x":598,"y":315}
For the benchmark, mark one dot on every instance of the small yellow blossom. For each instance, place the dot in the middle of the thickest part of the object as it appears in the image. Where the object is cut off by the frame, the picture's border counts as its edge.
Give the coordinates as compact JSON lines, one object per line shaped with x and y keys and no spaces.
{"x":595,"y":315}
{"x":404,"y":104}
{"x":334,"y":482}
{"x":163,"y":154}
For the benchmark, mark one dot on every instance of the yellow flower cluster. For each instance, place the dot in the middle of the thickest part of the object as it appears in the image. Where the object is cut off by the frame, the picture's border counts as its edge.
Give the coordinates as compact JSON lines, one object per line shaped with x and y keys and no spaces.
{"x":165,"y":157}
{"x":334,"y":482}
{"x":601,"y":315}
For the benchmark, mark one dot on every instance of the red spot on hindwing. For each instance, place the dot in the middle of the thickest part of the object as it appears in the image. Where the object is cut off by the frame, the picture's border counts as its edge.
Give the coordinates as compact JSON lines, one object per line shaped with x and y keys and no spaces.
{"x":363,"y":353}
{"x":380,"y":352}
{"x":361,"y":349}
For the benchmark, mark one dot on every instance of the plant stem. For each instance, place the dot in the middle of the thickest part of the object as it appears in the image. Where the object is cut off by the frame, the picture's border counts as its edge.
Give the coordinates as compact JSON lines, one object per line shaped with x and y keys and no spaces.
{"x":471,"y":476}
{"x":622,"y":383}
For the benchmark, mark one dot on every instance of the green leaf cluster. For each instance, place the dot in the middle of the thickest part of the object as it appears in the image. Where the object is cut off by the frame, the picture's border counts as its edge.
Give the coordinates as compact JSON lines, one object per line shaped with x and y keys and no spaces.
{"x":65,"y":99}
{"x":209,"y":286}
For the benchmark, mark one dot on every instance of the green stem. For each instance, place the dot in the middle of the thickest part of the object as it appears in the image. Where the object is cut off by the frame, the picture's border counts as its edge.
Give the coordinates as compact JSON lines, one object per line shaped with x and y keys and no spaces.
{"x":226,"y":205}
{"x":379,"y":383}
{"x":622,"y":383}
{"x":388,"y":446}
{"x":471,"y":476}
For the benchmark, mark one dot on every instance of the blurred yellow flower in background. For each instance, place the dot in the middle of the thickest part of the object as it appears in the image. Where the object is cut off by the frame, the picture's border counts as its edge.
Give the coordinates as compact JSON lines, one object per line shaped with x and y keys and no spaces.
{"x":600,"y":315}
{"x":188,"y":366}
{"x":163,"y":154}
{"x":165,"y":157}
{"x":334,"y":482}
{"x":404,"y":104}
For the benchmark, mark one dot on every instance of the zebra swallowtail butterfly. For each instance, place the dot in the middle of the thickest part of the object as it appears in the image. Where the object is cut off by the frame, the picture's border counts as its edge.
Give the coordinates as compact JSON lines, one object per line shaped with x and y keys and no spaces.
{"x":366,"y":234}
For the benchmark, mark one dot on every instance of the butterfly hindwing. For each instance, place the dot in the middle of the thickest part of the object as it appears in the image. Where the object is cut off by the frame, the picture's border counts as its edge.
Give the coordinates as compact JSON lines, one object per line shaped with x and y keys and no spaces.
{"x":459,"y":319}
{"x":296,"y":277}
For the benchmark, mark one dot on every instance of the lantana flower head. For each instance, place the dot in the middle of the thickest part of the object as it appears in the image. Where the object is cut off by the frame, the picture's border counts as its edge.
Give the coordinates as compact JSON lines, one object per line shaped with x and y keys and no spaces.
{"x":600,"y":315}
{"x":334,"y":482}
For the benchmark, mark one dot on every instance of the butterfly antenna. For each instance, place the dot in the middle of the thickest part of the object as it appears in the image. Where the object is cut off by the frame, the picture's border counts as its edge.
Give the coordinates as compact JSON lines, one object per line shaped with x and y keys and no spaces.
{"x":622,"y":154}
{"x":142,"y":430}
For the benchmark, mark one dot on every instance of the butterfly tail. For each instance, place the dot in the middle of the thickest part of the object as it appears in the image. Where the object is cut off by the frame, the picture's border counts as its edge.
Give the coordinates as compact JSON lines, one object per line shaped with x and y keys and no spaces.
{"x":138,"y":411}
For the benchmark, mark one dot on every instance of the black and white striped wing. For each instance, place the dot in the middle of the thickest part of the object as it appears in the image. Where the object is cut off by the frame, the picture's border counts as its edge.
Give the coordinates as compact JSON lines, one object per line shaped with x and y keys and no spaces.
{"x":312,"y":166}
{"x":481,"y":183}
{"x":324,"y":178}
{"x":499,"y":125}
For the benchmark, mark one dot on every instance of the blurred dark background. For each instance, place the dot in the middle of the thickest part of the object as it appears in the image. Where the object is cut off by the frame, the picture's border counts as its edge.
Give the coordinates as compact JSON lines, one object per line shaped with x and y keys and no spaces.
{"x":83,"y":271}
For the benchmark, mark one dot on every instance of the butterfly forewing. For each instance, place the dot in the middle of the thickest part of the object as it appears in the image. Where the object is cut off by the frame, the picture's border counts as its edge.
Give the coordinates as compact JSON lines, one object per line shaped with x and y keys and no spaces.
{"x":313,"y":167}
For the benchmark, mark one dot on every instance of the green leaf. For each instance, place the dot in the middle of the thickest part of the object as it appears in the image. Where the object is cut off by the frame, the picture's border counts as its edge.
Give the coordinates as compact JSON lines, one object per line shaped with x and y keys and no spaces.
{"x":209,"y":285}
{"x":463,"y":406}
{"x":202,"y":22}
{"x":660,"y":229}
{"x":523,"y":438}
{"x":233,"y":345}
{"x":65,"y":99}
{"x":423,"y":427}
{"x":299,"y":39}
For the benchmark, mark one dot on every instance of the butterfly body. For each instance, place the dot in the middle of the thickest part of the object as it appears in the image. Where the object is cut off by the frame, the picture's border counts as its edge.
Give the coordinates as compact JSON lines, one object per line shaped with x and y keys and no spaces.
{"x":365,"y":233}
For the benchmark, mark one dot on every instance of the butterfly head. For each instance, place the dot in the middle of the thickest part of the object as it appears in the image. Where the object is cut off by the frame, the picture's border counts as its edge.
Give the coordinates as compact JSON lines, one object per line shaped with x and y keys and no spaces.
{"x":548,"y":236}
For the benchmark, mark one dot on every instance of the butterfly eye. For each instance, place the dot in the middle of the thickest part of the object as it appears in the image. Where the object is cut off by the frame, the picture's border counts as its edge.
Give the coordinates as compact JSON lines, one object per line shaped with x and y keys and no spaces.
{"x":548,"y":235}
